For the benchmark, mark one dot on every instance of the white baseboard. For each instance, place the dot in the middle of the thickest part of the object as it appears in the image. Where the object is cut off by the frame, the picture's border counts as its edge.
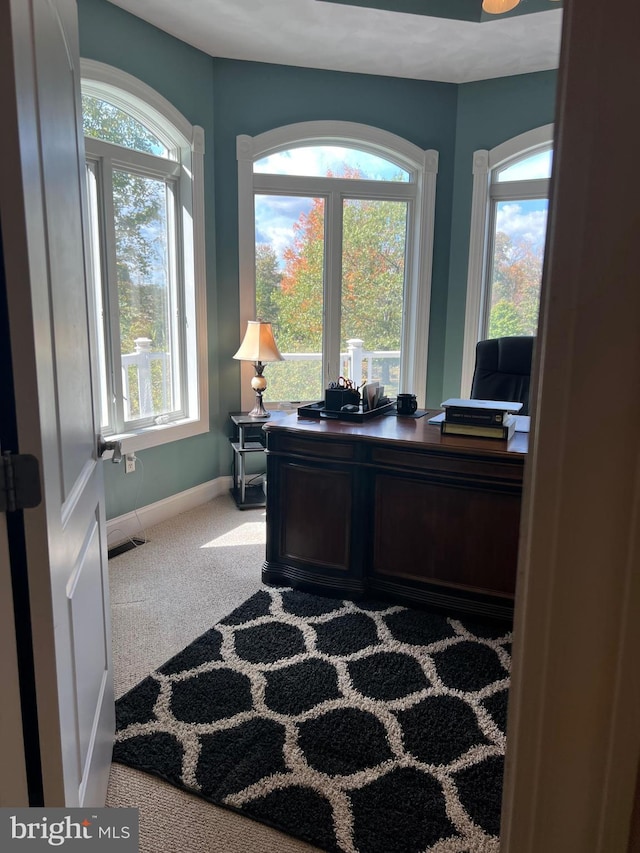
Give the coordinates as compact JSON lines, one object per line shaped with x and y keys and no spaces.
{"x":131,"y":524}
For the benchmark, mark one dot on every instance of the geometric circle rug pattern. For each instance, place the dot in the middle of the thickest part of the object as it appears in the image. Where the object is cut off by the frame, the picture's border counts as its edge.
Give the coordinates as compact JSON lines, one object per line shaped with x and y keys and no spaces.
{"x":359,"y":727}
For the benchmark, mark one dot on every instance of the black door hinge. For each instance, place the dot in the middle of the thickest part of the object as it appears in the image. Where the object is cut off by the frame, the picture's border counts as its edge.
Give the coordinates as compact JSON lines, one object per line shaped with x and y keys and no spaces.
{"x":19,"y":482}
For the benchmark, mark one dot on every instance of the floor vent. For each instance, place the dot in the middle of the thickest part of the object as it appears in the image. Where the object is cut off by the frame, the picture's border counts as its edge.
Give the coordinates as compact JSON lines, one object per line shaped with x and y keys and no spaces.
{"x":125,"y":546}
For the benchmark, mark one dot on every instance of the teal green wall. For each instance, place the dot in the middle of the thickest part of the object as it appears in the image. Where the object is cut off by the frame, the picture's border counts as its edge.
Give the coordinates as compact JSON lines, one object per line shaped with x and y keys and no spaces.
{"x":229,"y":97}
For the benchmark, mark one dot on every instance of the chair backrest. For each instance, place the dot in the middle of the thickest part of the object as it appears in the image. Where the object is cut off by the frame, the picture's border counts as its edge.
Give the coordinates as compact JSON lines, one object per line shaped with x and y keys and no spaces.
{"x":503,"y":370}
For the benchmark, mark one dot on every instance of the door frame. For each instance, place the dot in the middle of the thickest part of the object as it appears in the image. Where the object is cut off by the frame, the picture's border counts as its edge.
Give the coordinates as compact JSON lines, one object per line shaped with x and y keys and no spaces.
{"x":573,"y":740}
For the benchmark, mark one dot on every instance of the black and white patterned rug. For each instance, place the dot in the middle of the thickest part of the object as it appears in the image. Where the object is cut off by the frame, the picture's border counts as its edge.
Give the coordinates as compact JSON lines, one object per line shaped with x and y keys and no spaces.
{"x":357,"y":727}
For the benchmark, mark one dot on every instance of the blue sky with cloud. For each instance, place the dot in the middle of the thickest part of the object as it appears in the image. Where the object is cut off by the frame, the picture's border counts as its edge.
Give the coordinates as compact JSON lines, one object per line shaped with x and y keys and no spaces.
{"x":523,"y":220}
{"x":276,"y":215}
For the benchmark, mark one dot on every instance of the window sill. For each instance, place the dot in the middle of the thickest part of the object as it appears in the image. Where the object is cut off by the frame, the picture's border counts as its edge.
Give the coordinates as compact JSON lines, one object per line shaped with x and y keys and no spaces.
{"x":156,"y":435}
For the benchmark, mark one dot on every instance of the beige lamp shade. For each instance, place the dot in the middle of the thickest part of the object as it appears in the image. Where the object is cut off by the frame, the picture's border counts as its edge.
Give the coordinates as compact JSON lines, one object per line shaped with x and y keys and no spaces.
{"x":498,"y":7}
{"x":258,"y":343}
{"x":258,"y":346}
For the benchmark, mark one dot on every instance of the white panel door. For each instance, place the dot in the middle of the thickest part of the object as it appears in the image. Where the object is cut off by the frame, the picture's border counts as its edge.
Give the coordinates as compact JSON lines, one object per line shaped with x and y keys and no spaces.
{"x":42,"y":204}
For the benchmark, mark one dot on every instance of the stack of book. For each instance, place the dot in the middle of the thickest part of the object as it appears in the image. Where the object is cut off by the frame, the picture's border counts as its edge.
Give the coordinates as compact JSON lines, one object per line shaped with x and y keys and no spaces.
{"x":481,"y":418}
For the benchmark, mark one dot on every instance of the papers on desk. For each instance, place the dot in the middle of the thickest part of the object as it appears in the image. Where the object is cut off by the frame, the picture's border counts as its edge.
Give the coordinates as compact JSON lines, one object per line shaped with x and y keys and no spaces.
{"x":523,"y":422}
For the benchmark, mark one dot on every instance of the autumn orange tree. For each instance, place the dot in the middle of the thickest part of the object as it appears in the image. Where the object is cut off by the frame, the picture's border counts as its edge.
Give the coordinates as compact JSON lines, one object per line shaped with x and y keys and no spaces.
{"x":515,"y":294}
{"x":373,"y":251}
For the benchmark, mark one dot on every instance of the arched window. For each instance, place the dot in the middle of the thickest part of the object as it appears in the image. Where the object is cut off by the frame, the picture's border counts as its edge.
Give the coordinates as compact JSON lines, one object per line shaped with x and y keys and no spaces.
{"x":336,"y":236}
{"x":508,"y":230}
{"x":146,"y":212}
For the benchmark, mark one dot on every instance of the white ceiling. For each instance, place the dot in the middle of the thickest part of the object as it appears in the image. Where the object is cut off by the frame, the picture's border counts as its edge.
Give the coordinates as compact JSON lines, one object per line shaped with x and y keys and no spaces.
{"x":350,"y":38}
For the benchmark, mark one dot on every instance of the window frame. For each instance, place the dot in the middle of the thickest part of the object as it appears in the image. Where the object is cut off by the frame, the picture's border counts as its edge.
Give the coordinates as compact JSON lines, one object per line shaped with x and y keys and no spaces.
{"x":486,"y":193}
{"x":185,"y":165}
{"x":419,"y":193}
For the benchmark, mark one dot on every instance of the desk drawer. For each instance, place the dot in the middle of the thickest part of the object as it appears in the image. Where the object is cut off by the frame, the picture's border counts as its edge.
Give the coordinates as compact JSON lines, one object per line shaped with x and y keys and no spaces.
{"x":331,"y":450}
{"x":509,"y":469}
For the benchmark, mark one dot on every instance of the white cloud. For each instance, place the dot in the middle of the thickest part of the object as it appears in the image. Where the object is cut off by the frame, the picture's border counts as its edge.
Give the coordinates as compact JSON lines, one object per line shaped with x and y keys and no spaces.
{"x":275,"y":217}
{"x":517,"y":222}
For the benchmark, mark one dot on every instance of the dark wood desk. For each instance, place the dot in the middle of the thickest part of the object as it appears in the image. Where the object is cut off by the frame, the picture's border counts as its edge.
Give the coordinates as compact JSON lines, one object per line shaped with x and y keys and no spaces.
{"x":393,"y":508}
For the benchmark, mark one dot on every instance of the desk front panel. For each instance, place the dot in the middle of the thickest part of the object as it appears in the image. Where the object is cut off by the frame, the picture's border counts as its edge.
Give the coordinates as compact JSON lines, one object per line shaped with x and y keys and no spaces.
{"x":317,"y":505}
{"x":356,"y":511}
{"x":432,"y":532}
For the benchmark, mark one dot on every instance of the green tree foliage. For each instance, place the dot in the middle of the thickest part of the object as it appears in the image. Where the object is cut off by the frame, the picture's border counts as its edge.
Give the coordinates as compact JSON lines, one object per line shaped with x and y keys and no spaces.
{"x":102,"y":120}
{"x":267,"y":285}
{"x":374,"y":237}
{"x":515,"y":292}
{"x":504,"y":320}
{"x":143,"y":309}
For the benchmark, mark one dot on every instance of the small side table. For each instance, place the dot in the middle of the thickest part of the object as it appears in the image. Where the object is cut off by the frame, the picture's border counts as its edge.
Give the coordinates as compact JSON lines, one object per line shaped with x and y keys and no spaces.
{"x":250,"y":440}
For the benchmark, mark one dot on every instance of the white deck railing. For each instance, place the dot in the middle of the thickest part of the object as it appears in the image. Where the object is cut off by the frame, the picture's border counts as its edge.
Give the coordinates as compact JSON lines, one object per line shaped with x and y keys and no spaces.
{"x":140,"y":379}
{"x":352,"y":361}
{"x":352,"y":366}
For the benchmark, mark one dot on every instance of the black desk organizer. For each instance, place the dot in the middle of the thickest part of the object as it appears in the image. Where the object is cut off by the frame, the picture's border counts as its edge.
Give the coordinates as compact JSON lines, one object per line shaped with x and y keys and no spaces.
{"x":319,"y":411}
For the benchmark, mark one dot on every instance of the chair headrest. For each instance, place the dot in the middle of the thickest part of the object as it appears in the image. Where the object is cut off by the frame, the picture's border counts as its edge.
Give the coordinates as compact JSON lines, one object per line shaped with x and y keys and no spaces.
{"x":505,"y":355}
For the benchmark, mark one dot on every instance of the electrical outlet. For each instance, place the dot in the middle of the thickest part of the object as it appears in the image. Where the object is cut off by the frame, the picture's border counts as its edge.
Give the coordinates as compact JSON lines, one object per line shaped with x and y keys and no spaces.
{"x":129,"y":463}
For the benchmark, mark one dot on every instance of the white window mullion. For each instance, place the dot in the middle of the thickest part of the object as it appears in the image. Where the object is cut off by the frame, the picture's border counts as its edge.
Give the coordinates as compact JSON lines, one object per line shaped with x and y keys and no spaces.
{"x":110,"y":297}
{"x":100,"y":369}
{"x":475,"y":272}
{"x":246,"y":259}
{"x":176,"y":303}
{"x":485,"y":300}
{"x":192,"y":223}
{"x":147,"y":164}
{"x":331,"y":365}
{"x":418,"y":273}
{"x":357,"y":188}
{"x":505,"y":190}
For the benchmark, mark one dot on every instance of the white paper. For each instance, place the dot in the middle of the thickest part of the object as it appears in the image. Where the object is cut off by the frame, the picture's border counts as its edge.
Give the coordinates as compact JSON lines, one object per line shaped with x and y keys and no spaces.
{"x":523,"y":423}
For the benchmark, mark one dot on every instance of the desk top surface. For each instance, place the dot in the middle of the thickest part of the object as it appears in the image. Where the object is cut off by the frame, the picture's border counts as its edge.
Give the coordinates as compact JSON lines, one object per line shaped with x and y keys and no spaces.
{"x":406,"y":430}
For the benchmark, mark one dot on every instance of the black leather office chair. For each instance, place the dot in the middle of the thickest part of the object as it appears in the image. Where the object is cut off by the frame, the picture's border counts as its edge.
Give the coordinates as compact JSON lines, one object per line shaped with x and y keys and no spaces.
{"x":503,"y":370}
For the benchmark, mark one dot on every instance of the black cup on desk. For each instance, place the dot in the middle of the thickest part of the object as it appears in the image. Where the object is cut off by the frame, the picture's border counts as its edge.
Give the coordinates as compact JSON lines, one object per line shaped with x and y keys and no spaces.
{"x":406,"y":404}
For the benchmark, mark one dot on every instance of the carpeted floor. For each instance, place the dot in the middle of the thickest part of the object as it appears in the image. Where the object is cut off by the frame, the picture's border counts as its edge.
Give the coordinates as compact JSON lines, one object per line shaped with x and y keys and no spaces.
{"x":364,"y":728}
{"x":194,"y":569}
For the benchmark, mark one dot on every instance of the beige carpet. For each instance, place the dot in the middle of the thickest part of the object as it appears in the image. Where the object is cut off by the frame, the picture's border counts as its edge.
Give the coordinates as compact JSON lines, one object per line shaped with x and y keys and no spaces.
{"x":193,"y":570}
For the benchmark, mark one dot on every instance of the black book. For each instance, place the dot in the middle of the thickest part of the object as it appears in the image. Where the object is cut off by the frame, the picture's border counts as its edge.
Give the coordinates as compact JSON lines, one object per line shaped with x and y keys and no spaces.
{"x":481,"y":412}
{"x":464,"y":415}
{"x":503,"y":431}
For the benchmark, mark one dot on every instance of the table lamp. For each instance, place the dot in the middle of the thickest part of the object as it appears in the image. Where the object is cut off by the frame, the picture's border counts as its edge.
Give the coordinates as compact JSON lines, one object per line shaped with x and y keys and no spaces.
{"x":258,"y":347}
